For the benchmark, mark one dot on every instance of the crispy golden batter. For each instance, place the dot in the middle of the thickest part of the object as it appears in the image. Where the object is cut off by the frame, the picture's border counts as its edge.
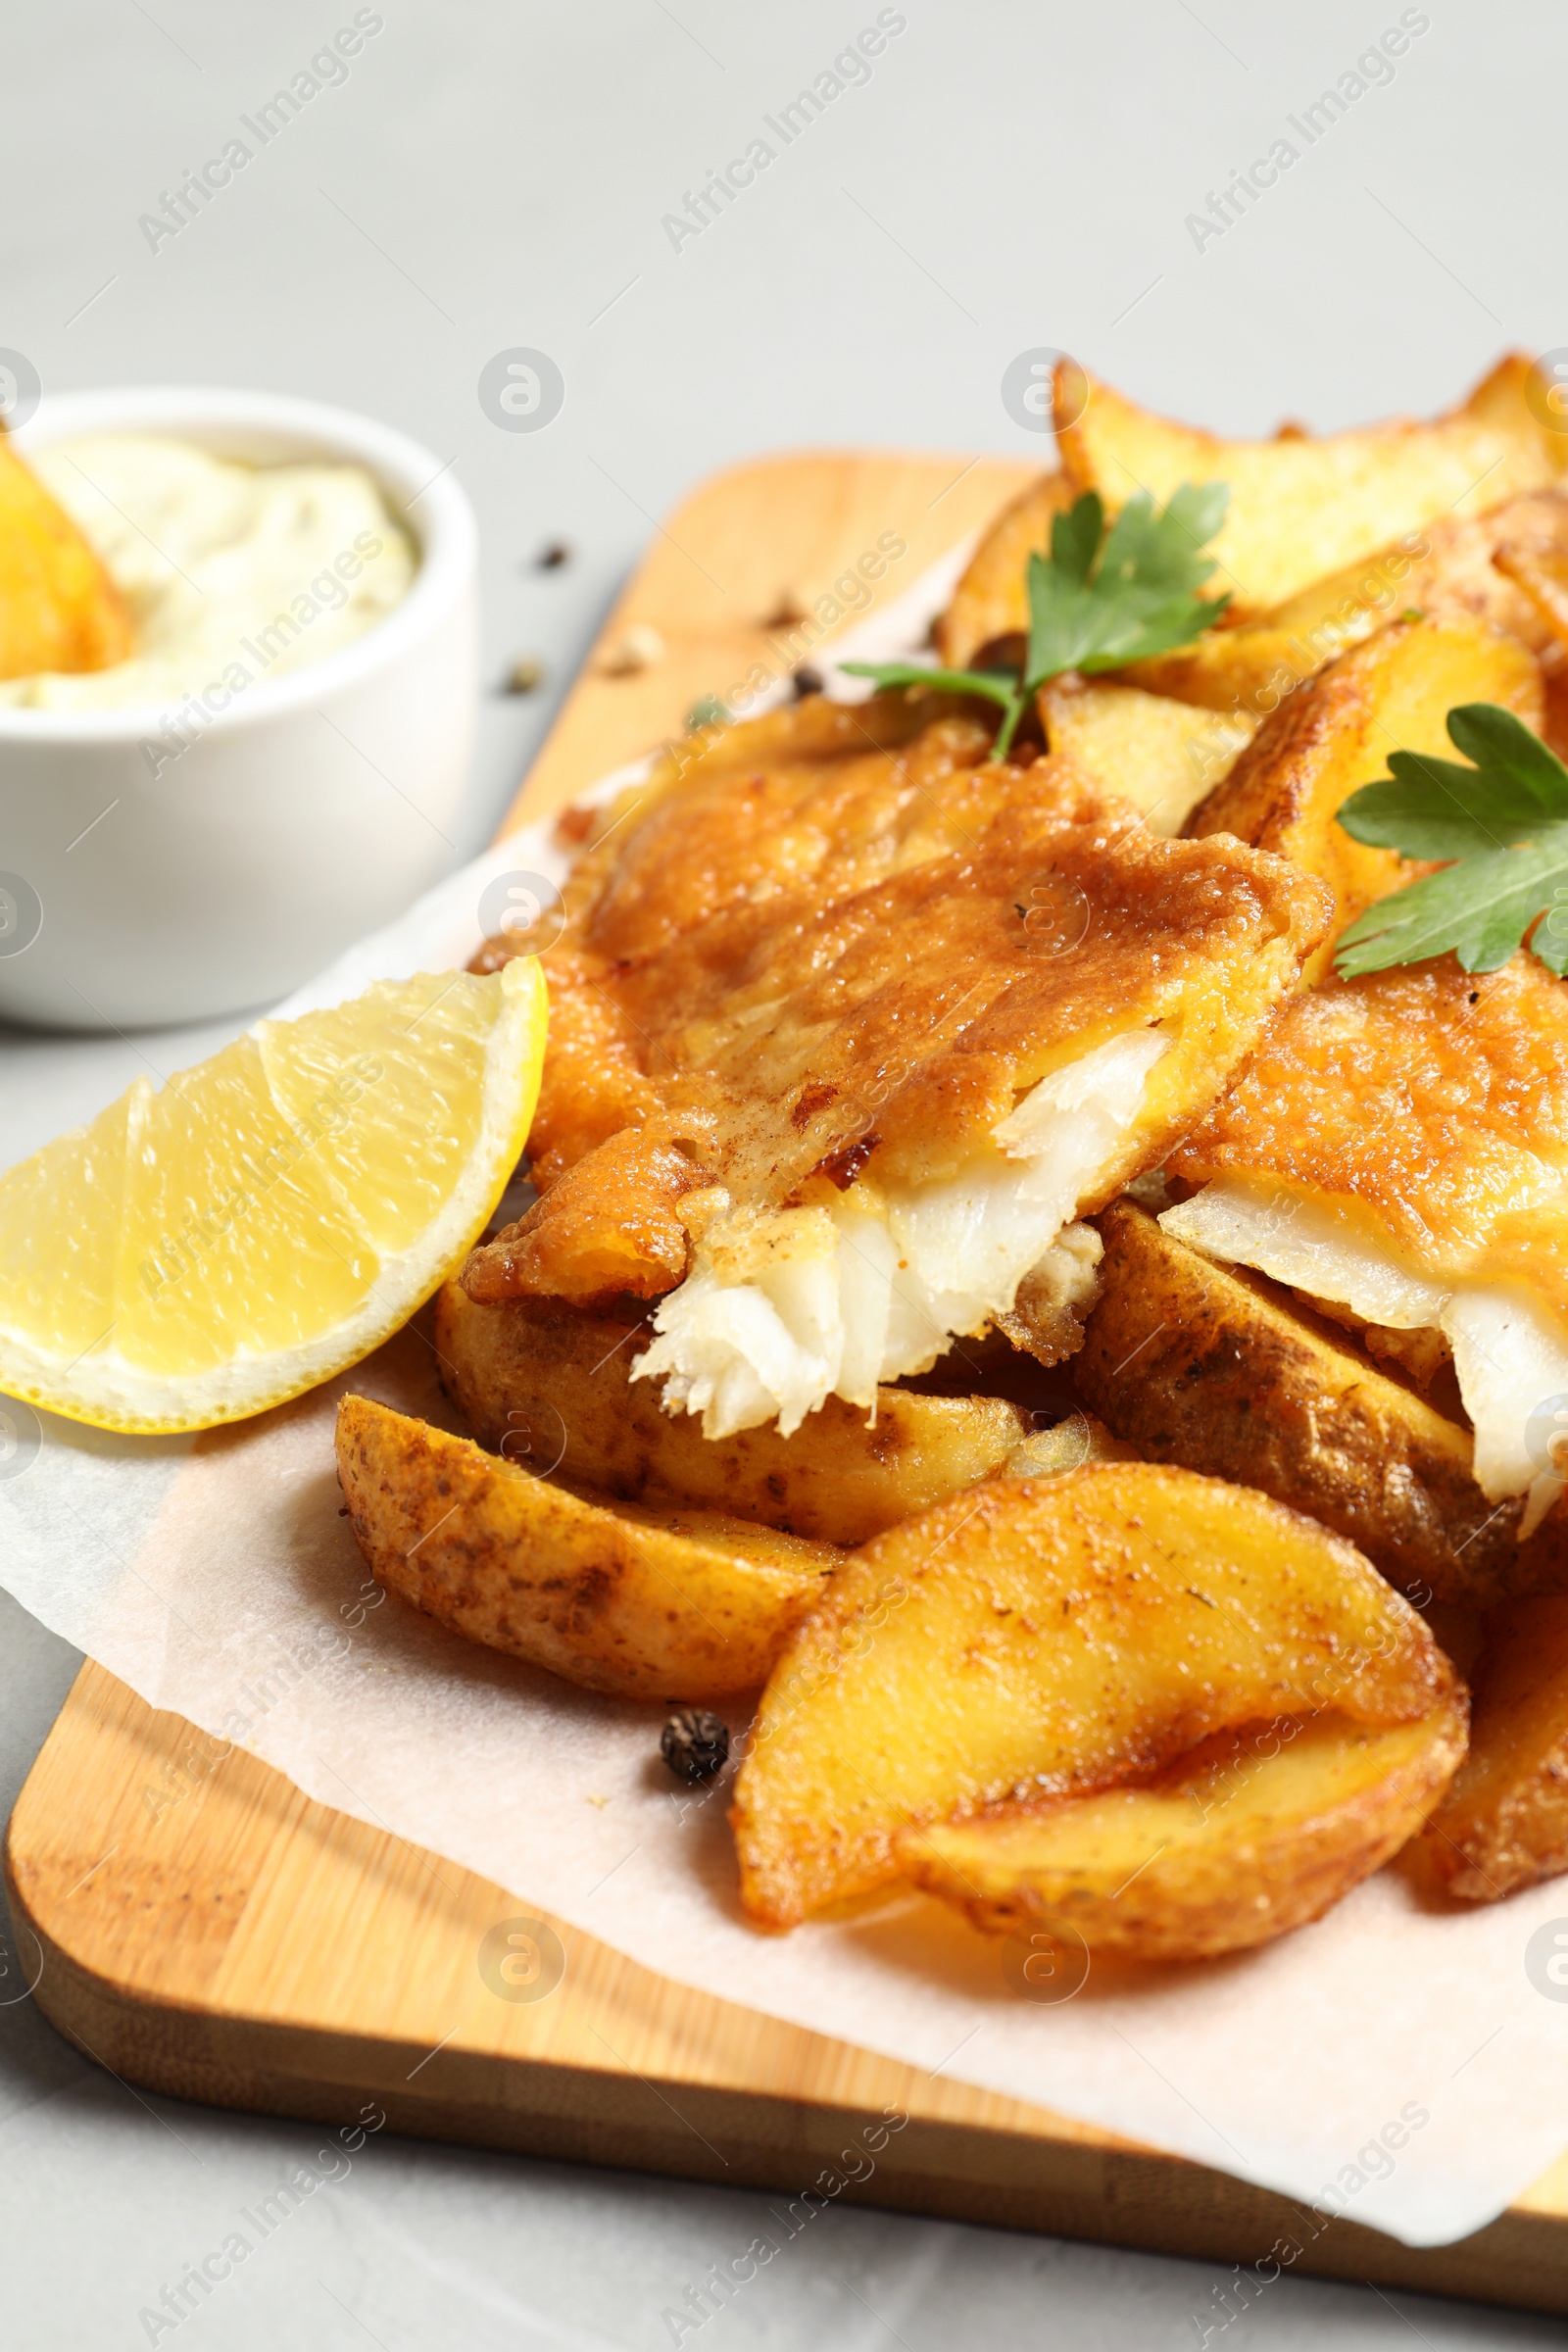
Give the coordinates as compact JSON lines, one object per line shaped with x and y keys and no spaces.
{"x":607,"y":1228}
{"x":865,"y":971}
{"x":1434,"y":1099}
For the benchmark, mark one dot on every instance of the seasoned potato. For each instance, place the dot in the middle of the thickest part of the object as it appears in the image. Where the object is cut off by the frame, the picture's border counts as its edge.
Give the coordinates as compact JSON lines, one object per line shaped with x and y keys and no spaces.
{"x":1162,"y":756}
{"x":1301,"y":508}
{"x":1335,"y":734}
{"x":644,"y":1603}
{"x":1504,"y":1824}
{"x":540,"y":1373}
{"x":991,"y":601}
{"x":58,"y":609}
{"x":1252,"y":1834}
{"x":1044,"y":1639}
{"x":1215,"y":1368}
{"x":1543,"y":573}
{"x":1448,"y":570}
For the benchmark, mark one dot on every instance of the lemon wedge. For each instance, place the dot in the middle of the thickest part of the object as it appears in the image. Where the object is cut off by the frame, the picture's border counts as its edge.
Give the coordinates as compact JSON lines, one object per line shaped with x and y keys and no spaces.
{"x":206,"y":1251}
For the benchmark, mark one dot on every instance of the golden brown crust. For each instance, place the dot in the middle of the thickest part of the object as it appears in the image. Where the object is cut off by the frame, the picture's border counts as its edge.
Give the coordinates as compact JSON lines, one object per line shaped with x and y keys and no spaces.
{"x":1213,"y":1368}
{"x":1253,"y":1834}
{"x":1435,"y":1102}
{"x":1047,"y":1638}
{"x":863,"y":973}
{"x":606,"y":1229}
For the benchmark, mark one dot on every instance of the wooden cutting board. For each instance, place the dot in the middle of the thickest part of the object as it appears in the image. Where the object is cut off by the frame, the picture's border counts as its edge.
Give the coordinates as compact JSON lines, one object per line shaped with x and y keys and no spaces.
{"x":211,"y":1933}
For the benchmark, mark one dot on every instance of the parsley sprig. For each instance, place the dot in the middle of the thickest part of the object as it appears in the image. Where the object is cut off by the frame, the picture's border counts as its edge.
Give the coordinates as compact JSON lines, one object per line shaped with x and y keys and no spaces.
{"x":1099,"y":600}
{"x":1501,"y":828}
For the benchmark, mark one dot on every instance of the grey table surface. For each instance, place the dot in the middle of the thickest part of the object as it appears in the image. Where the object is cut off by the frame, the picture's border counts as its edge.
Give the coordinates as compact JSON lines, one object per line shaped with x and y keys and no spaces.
{"x":488,"y":176}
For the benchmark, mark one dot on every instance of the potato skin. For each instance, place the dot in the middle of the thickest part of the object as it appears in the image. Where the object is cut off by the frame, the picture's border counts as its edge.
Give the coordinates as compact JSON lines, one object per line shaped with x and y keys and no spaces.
{"x":565,"y":1374}
{"x":1046,"y":1637}
{"x":1211,"y":1367}
{"x":1504,"y":1824}
{"x":1256,"y":1832}
{"x":692,"y":1608}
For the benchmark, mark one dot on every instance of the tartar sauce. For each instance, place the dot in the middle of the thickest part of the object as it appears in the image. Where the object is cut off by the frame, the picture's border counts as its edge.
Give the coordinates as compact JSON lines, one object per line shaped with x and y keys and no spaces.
{"x":232,"y":573}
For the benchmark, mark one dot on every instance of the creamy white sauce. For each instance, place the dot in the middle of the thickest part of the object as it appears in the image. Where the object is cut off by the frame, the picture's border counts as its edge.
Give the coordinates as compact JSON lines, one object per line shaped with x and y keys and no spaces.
{"x":231,"y":573}
{"x":785,"y":1308}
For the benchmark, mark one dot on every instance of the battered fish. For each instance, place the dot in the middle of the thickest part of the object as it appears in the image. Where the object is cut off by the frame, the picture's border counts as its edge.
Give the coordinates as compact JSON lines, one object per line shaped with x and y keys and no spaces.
{"x":1398,"y":1147}
{"x":850,"y":1026}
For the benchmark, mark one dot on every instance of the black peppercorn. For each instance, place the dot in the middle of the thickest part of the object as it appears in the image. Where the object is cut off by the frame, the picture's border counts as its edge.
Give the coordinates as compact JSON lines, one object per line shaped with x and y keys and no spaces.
{"x":694,"y":1744}
{"x":805,"y":681}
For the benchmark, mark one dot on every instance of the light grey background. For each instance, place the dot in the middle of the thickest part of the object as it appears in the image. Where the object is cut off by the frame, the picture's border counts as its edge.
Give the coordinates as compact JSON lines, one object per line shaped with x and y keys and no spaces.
{"x":490,"y":175}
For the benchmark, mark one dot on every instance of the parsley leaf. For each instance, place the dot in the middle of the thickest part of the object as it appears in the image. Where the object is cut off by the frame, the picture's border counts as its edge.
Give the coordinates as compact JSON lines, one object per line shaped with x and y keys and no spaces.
{"x":1501,"y":827}
{"x":1099,"y":601}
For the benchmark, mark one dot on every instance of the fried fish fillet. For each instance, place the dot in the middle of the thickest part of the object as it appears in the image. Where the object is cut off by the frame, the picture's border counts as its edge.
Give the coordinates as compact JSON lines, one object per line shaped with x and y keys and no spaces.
{"x":874,"y":1022}
{"x":1397,"y":1146}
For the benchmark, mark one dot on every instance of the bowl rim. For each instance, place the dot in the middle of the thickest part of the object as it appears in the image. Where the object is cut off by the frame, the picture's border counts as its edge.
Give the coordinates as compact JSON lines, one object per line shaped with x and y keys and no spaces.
{"x":409,"y":475}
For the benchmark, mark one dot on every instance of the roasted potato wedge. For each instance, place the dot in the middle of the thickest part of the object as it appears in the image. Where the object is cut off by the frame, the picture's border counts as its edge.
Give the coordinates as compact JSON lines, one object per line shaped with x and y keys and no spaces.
{"x":1335,"y":734}
{"x":644,"y":1603}
{"x":58,"y":609}
{"x":1162,"y":756}
{"x":1543,"y":573}
{"x":1046,"y":1639}
{"x":991,"y":601}
{"x":1303,"y":508}
{"x":542,"y":1374}
{"x":1217,"y":1369}
{"x":1449,"y":570}
{"x":1253,"y":1834}
{"x":1504,"y":1822}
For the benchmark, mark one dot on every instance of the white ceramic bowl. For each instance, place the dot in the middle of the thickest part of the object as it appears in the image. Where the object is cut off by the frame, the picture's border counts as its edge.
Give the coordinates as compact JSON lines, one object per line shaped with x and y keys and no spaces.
{"x":314,"y":808}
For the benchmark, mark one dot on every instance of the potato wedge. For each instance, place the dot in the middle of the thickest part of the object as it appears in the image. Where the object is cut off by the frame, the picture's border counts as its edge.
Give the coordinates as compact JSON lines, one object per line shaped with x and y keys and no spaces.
{"x":1543,"y":573}
{"x":1335,"y":734}
{"x":1046,"y":1637}
{"x":1162,"y":756}
{"x":1449,"y":570}
{"x":1301,"y":508}
{"x":58,"y":609}
{"x":541,"y":1373}
{"x":1218,"y":1370}
{"x":643,"y":1604}
{"x":991,"y":601}
{"x":1504,"y":1822}
{"x":1256,"y":1832}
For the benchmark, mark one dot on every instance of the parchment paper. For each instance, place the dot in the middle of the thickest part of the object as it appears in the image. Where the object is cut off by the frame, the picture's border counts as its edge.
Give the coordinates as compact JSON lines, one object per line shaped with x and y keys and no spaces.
{"x":1395,"y":2062}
